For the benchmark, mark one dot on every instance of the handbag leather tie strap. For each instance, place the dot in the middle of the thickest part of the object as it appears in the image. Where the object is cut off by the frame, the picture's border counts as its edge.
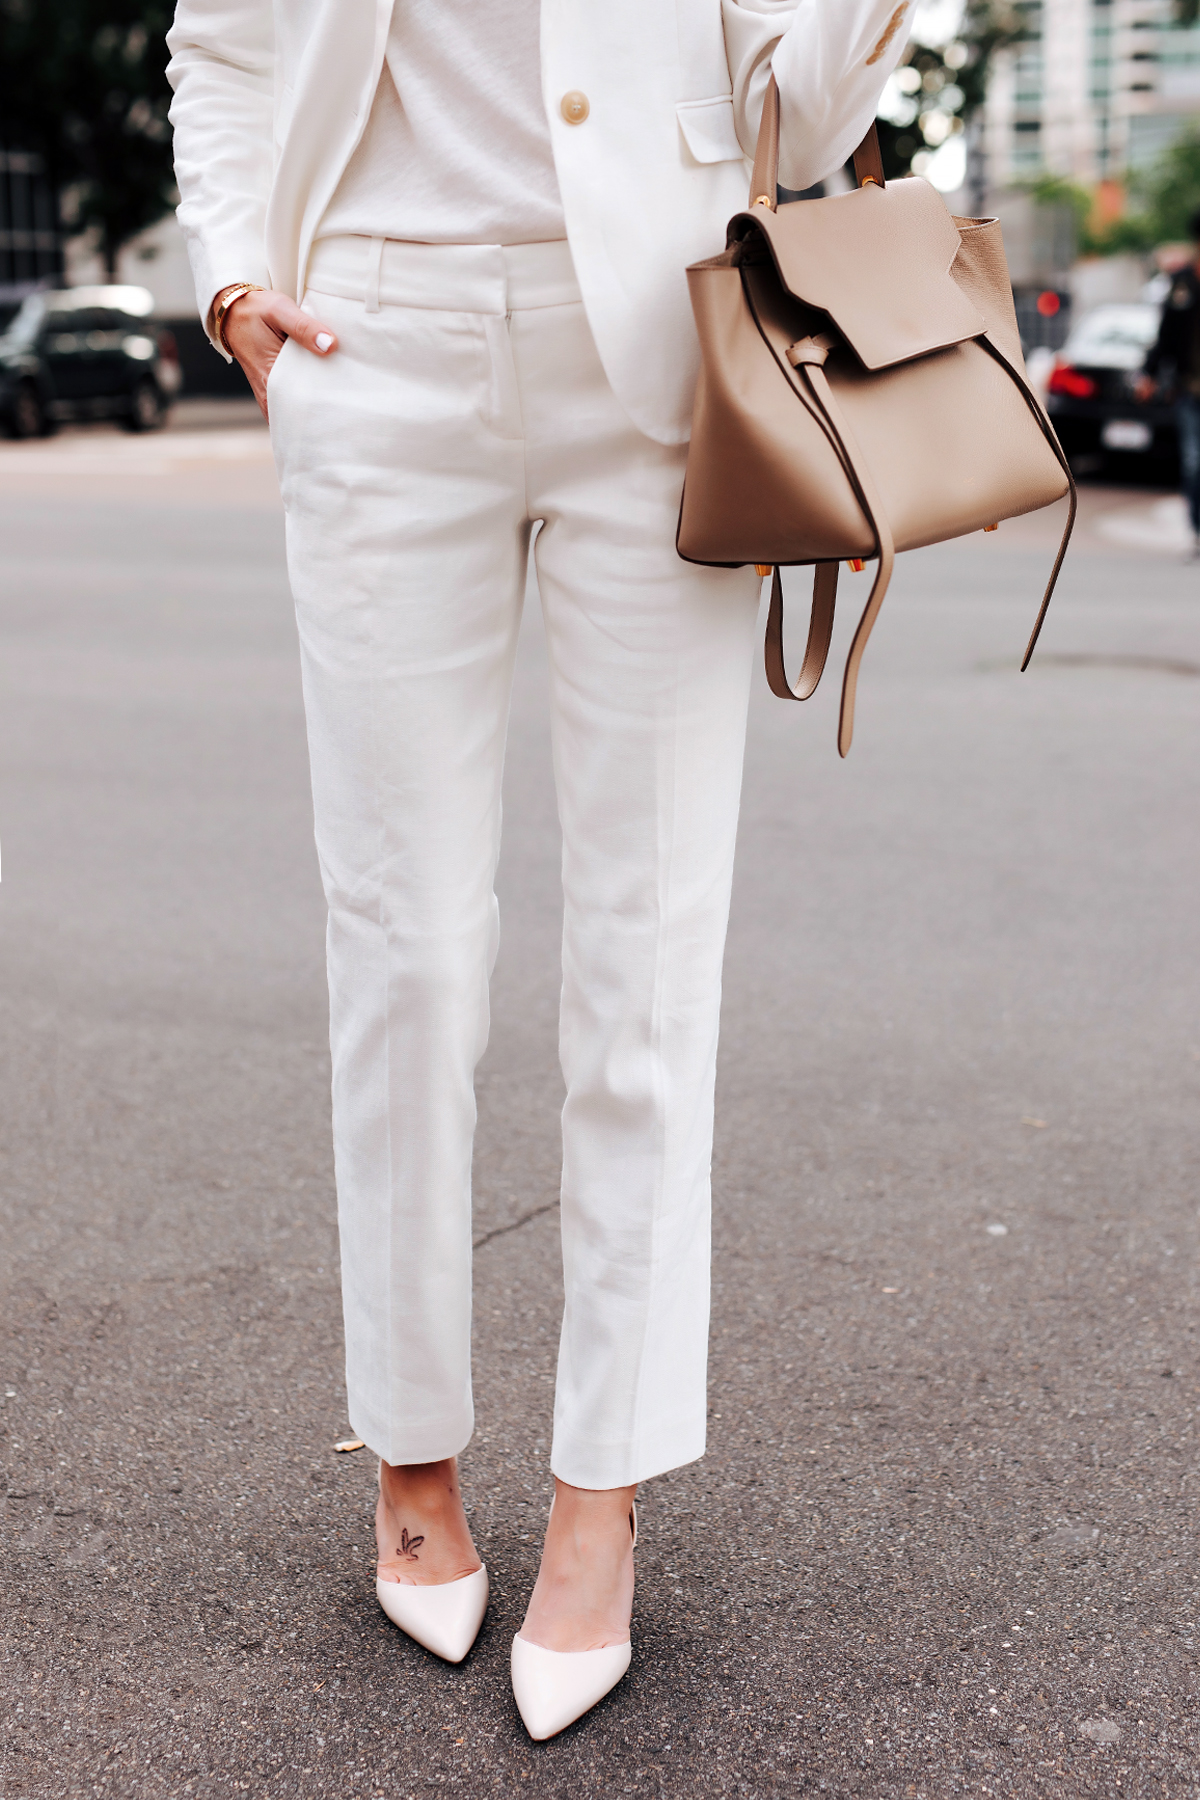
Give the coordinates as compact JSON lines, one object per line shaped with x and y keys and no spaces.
{"x":1049,"y":434}
{"x":807,"y":357}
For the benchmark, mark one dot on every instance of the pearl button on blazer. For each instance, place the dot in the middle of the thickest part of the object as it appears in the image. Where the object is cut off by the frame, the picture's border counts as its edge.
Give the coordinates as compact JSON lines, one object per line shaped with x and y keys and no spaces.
{"x":653,"y":108}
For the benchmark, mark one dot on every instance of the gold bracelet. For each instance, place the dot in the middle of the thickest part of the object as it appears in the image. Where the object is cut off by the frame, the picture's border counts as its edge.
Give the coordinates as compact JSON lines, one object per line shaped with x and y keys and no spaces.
{"x":224,"y":300}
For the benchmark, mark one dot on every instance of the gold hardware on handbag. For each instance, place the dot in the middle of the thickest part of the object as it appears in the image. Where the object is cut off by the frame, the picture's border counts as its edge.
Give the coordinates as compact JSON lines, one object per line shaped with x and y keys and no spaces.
{"x":861,"y":391}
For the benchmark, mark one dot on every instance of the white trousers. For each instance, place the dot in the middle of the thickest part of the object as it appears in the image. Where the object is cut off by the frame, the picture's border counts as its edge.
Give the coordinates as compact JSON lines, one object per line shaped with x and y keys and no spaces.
{"x":465,"y":402}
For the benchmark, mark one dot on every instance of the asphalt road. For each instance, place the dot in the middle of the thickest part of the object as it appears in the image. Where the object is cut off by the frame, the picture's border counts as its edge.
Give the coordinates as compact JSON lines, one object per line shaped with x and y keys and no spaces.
{"x":944,"y":1541}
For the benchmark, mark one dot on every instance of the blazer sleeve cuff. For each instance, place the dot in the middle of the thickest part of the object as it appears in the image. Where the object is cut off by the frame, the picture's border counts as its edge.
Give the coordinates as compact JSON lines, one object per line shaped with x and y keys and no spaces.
{"x":218,"y":266}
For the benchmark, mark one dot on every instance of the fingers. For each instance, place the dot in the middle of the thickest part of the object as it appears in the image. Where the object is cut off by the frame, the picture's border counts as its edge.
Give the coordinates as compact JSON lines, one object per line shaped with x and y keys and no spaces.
{"x":258,"y":322}
{"x":286,"y":318}
{"x":256,"y":327}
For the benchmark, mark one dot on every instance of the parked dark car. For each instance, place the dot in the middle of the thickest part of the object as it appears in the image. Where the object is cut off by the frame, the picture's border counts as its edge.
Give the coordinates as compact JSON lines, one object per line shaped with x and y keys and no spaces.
{"x":1091,"y":394}
{"x":86,"y":353}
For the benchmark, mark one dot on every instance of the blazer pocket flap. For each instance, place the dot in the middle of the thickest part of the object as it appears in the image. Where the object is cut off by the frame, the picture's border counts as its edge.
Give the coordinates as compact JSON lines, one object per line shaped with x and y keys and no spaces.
{"x":708,"y":129}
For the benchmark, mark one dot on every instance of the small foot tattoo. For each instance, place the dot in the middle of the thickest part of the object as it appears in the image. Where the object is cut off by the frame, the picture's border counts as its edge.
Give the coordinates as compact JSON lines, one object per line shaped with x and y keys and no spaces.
{"x":408,"y":1546}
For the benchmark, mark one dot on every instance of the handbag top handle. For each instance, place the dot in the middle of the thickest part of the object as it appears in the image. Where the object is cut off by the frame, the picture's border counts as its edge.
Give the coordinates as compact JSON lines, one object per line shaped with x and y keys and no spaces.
{"x":764,"y":182}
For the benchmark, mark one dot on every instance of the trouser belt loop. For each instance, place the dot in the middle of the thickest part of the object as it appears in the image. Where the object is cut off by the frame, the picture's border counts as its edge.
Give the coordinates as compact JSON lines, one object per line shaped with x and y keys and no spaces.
{"x":374,"y":265}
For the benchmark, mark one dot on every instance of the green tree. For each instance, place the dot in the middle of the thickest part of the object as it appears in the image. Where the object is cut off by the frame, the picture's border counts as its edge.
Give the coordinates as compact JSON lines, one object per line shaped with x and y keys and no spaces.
{"x":1173,"y":192}
{"x":83,"y":82}
{"x":1163,"y":202}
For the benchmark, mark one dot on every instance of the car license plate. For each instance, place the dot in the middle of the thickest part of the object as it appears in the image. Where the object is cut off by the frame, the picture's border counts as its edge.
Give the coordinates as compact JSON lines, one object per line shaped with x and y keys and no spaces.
{"x":1126,"y":434}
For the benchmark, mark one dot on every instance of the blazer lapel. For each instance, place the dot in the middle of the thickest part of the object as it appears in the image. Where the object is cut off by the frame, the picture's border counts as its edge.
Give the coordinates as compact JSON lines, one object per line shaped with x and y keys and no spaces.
{"x":334,"y":87}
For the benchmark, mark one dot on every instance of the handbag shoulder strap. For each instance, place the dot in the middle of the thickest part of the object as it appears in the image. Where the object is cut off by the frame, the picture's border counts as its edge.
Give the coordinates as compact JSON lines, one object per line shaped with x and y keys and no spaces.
{"x":764,"y":182}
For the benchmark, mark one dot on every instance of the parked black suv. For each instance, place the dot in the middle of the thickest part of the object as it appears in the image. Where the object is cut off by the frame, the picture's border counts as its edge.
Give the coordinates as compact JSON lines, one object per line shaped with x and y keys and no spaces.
{"x":86,"y":353}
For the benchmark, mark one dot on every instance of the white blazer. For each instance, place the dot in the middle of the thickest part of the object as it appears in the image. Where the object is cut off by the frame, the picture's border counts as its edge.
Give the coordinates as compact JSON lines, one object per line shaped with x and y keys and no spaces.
{"x":272,"y":96}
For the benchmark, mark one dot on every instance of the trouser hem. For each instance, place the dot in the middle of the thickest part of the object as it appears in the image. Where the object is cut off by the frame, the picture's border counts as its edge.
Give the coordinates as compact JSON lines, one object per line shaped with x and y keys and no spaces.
{"x":581,"y":1463}
{"x":412,"y":1444}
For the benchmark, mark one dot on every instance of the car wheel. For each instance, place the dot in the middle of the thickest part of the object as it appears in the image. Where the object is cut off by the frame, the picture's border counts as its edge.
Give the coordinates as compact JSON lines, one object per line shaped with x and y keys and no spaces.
{"x":26,"y":414}
{"x":147,"y":408}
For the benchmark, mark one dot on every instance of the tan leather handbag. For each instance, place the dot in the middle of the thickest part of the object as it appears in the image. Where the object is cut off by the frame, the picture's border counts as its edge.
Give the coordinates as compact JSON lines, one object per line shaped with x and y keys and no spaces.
{"x":861,"y":391}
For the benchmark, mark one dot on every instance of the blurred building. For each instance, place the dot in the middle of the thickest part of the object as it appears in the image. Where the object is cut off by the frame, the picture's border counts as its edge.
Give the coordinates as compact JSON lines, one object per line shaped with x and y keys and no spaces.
{"x":31,"y":250}
{"x":156,"y":258}
{"x":1099,"y":88}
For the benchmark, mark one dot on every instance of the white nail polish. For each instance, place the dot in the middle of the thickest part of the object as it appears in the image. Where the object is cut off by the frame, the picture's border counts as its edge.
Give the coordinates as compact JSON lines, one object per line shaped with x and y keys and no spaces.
{"x":323,"y":340}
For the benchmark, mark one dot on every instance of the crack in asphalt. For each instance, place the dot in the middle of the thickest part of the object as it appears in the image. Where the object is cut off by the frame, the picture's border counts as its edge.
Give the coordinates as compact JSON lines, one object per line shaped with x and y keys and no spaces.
{"x":503,"y":1230}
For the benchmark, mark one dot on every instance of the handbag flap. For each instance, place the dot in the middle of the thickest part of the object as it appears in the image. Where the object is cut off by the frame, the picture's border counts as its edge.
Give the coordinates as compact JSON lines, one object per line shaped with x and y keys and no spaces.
{"x":877,"y":260}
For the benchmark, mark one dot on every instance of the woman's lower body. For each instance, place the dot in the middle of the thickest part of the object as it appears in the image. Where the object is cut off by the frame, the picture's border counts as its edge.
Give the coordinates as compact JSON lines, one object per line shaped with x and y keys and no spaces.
{"x":465,"y":403}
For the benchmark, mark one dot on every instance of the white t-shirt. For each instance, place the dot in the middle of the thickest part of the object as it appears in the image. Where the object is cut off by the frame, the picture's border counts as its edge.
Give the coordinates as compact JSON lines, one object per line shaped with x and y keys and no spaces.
{"x":457,"y":148}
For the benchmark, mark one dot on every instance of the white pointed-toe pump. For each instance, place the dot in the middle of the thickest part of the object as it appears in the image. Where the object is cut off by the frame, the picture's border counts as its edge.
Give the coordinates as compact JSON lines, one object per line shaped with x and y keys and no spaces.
{"x":444,"y":1618}
{"x":553,"y":1688}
